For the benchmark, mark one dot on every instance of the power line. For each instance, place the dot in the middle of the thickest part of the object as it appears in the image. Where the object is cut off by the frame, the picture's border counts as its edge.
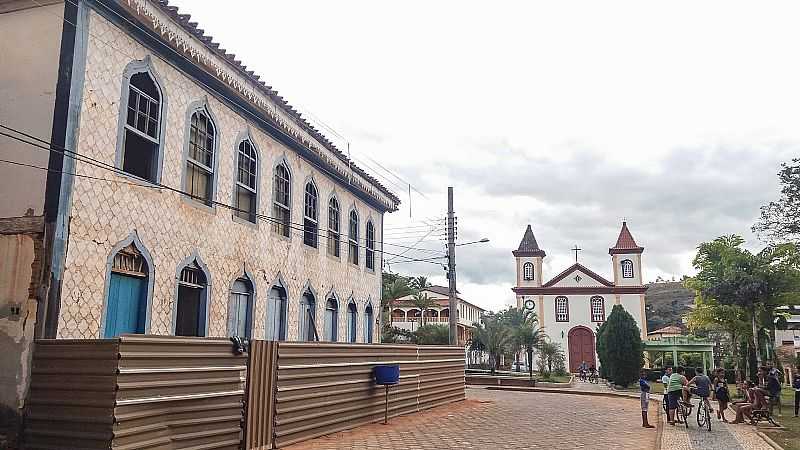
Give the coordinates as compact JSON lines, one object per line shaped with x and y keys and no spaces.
{"x":105,"y":166}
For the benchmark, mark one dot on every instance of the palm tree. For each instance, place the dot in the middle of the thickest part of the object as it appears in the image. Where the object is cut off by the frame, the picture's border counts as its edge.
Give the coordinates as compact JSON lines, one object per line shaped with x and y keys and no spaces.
{"x":551,"y":355}
{"x":392,"y":291}
{"x":423,"y":302}
{"x":524,"y":328}
{"x":419,"y":283}
{"x":493,"y":336}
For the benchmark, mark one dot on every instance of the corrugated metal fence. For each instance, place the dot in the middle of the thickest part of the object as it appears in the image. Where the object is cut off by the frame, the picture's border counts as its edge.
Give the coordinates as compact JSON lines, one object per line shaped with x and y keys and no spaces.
{"x":157,"y":392}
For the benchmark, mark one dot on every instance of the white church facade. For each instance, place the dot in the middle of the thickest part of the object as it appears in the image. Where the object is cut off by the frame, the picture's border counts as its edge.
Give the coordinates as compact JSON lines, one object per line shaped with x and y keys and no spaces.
{"x":571,"y":305}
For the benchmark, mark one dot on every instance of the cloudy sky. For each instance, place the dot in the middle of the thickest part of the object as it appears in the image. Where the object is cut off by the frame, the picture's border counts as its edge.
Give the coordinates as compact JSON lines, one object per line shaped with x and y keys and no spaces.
{"x":569,"y":116}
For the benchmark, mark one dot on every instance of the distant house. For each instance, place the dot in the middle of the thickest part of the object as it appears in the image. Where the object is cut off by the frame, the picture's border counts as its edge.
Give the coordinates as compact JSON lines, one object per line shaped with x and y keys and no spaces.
{"x":406,"y":316}
{"x":661,"y":333}
{"x":787,"y":342}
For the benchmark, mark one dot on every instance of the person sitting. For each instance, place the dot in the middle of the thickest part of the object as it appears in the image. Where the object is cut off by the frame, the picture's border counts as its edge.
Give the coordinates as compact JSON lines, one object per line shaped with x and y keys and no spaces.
{"x":757,"y":401}
{"x":772,"y":386}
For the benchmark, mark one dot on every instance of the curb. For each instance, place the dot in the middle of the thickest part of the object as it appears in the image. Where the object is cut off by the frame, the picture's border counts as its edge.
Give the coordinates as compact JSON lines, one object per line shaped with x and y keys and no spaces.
{"x":769,"y":440}
{"x":553,"y":391}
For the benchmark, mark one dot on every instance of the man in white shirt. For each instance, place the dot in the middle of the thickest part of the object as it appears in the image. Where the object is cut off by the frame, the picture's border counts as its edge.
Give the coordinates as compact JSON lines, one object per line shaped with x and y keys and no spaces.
{"x":665,"y":378}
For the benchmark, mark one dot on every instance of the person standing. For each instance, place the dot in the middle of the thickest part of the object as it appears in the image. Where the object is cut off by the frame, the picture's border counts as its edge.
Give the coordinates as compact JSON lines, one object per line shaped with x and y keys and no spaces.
{"x":796,"y":386}
{"x":644,"y":395}
{"x":675,"y":393}
{"x":721,"y":393}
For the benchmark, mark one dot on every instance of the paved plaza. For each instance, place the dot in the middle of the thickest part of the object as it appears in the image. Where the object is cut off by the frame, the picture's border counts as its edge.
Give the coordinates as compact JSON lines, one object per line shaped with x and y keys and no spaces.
{"x":495,"y":419}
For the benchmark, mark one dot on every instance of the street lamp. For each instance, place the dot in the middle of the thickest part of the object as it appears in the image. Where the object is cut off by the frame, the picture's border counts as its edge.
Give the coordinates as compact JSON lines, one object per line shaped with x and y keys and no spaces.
{"x":482,"y":241}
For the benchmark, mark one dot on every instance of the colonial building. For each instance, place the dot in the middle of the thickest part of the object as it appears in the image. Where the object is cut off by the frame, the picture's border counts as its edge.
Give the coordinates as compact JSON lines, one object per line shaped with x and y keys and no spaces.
{"x":406,"y":316}
{"x":571,"y":305}
{"x":164,"y":188}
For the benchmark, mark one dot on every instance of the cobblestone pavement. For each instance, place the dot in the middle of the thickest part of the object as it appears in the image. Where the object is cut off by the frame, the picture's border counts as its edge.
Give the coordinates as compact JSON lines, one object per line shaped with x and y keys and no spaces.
{"x":492,"y":420}
{"x":723,"y":436}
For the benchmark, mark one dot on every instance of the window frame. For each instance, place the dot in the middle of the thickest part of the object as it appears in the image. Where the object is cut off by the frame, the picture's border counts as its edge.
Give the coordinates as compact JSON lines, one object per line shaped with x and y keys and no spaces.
{"x":561,"y":316}
{"x":202,"y":108}
{"x":625,"y":266}
{"x":334,"y":228}
{"x":334,"y":324}
{"x":251,"y":301}
{"x":601,"y":313}
{"x":369,"y":323}
{"x":133,"y":68}
{"x":245,"y":137}
{"x":525,"y":267}
{"x":282,"y":333}
{"x":352,"y":321}
{"x":311,"y":222}
{"x":277,"y":224}
{"x":352,"y":238}
{"x":369,"y":246}
{"x":205,"y":295}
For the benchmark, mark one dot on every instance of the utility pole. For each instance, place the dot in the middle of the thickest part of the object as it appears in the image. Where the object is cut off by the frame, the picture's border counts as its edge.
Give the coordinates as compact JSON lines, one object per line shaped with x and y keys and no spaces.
{"x":451,"y":267}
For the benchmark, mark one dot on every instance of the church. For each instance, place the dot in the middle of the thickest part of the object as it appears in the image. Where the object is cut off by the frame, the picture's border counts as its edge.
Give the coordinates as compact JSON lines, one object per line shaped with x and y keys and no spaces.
{"x":571,"y":305}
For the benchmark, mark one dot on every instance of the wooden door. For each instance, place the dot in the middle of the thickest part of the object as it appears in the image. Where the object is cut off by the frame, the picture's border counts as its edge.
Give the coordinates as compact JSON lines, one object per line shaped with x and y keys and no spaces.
{"x":125,"y":311}
{"x":581,"y":348}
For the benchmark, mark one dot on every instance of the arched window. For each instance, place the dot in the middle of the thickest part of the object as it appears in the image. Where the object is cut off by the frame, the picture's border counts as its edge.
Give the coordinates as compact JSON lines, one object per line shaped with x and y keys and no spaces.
{"x":370,"y":254}
{"x":562,"y":309}
{"x":126,"y":306}
{"x":246,"y":187}
{"x":331,"y":319}
{"x":369,"y":323}
{"x":142,"y":139}
{"x":310,"y":223}
{"x":190,"y":313}
{"x":307,"y":310}
{"x":352,"y":319}
{"x":281,"y":211}
{"x":240,"y":320}
{"x":276,"y":314}
{"x":334,"y":230}
{"x":627,"y":268}
{"x":527,"y":271}
{"x":353,"y":238}
{"x":598,"y":309}
{"x":199,"y":180}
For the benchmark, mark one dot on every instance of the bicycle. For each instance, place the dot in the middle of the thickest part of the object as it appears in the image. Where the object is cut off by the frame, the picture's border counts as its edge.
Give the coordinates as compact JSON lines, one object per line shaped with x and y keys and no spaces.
{"x":683,"y":412}
{"x":582,"y":376}
{"x":704,"y":414}
{"x":593,"y":378}
{"x":757,"y":415}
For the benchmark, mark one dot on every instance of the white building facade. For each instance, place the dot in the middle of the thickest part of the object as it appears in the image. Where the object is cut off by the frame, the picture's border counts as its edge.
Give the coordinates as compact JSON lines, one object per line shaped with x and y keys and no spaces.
{"x":408,"y":317}
{"x":573,"y":304}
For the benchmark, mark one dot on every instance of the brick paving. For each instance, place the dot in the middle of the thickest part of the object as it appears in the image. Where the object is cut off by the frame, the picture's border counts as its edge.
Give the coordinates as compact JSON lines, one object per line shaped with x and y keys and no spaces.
{"x":723,"y":436}
{"x":492,"y":419}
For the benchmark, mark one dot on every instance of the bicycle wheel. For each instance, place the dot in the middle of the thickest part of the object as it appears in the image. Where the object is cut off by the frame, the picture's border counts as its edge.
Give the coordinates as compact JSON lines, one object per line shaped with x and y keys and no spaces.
{"x":702,"y":415}
{"x":684,"y":414}
{"x":707,"y":409}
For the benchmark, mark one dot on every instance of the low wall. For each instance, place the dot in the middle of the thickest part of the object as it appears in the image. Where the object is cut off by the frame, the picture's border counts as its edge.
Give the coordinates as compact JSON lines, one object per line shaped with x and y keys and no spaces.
{"x":323,"y":388}
{"x":135,"y":392}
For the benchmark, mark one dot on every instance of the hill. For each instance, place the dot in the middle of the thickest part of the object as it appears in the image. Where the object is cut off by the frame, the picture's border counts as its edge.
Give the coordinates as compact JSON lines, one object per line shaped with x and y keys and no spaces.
{"x":667,"y":302}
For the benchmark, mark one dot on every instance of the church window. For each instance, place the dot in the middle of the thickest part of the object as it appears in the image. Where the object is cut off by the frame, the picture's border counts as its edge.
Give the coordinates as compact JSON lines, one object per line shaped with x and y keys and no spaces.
{"x":598,"y":309}
{"x":627,"y":269}
{"x":562,"y":309}
{"x":527,"y":270}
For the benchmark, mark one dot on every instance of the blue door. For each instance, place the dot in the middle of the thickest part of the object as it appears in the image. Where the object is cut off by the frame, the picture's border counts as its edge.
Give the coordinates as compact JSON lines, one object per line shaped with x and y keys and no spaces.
{"x":126,"y":305}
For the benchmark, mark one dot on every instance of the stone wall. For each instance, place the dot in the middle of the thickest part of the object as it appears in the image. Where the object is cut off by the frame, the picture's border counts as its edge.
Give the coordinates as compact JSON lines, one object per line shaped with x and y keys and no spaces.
{"x":172,"y":227}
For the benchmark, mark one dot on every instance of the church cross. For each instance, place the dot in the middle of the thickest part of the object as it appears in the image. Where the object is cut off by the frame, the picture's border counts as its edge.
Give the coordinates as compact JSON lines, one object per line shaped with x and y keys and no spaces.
{"x":576,"y":250}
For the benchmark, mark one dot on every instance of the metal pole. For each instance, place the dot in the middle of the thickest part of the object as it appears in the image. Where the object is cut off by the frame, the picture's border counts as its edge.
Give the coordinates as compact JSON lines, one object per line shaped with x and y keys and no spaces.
{"x":386,"y":411}
{"x":451,"y":267}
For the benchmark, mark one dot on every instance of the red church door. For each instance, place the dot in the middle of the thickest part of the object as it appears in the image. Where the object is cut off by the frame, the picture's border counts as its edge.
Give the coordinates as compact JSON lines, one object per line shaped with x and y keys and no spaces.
{"x":581,"y":348}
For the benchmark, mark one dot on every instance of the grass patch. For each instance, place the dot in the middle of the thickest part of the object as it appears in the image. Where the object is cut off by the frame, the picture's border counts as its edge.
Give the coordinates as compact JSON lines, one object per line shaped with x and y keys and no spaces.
{"x":789,"y":438}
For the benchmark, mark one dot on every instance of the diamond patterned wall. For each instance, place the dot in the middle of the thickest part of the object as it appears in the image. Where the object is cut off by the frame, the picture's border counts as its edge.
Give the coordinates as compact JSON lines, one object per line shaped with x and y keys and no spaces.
{"x":172,"y":228}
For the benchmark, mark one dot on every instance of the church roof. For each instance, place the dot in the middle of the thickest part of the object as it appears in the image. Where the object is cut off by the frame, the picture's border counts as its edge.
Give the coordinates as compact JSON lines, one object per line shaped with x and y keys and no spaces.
{"x":625,"y":243}
{"x":582,"y":268}
{"x":528,"y":246}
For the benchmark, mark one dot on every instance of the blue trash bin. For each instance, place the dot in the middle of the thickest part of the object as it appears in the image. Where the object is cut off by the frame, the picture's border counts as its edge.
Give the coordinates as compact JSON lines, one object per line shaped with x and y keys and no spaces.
{"x":386,"y":375}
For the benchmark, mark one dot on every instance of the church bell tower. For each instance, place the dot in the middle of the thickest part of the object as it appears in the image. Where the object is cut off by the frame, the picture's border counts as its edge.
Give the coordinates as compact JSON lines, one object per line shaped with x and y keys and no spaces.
{"x":529,"y":262}
{"x":626,"y":259}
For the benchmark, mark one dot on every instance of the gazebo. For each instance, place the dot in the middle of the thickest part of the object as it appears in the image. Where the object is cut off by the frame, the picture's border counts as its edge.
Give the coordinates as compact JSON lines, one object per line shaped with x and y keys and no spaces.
{"x":680,"y":344}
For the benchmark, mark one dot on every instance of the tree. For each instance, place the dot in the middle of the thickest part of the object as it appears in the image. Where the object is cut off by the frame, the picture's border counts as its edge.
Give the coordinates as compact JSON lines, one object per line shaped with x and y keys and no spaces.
{"x":551,"y":356}
{"x":493,"y":336}
{"x":419,"y":283}
{"x":710,"y":315}
{"x":620,"y":347}
{"x":394,"y":287}
{"x":523,"y":326}
{"x":432,"y":335}
{"x":780,"y":221}
{"x":424,"y":303}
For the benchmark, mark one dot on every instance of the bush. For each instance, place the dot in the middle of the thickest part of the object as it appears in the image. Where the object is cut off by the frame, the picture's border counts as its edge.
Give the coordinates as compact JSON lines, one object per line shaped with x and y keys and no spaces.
{"x":620,"y":347}
{"x":432,"y":335}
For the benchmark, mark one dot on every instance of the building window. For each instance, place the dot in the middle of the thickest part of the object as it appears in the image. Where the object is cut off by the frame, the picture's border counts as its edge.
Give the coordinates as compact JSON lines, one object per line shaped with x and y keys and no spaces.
{"x":334,"y":229}
{"x":281,"y":211}
{"x":308,"y":307}
{"x":126,"y":305}
{"x":141,"y":139}
{"x":352,"y":318}
{"x":200,"y":158}
{"x":331,"y":319}
{"x":240,"y":312}
{"x":190,"y":316}
{"x":246,"y":190}
{"x":370,"y":255}
{"x":627,"y":268}
{"x":353,"y":238}
{"x":562,"y":309}
{"x":369,"y":324}
{"x":527,"y":271}
{"x":276,"y":314}
{"x":598,"y":309}
{"x":310,"y":223}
